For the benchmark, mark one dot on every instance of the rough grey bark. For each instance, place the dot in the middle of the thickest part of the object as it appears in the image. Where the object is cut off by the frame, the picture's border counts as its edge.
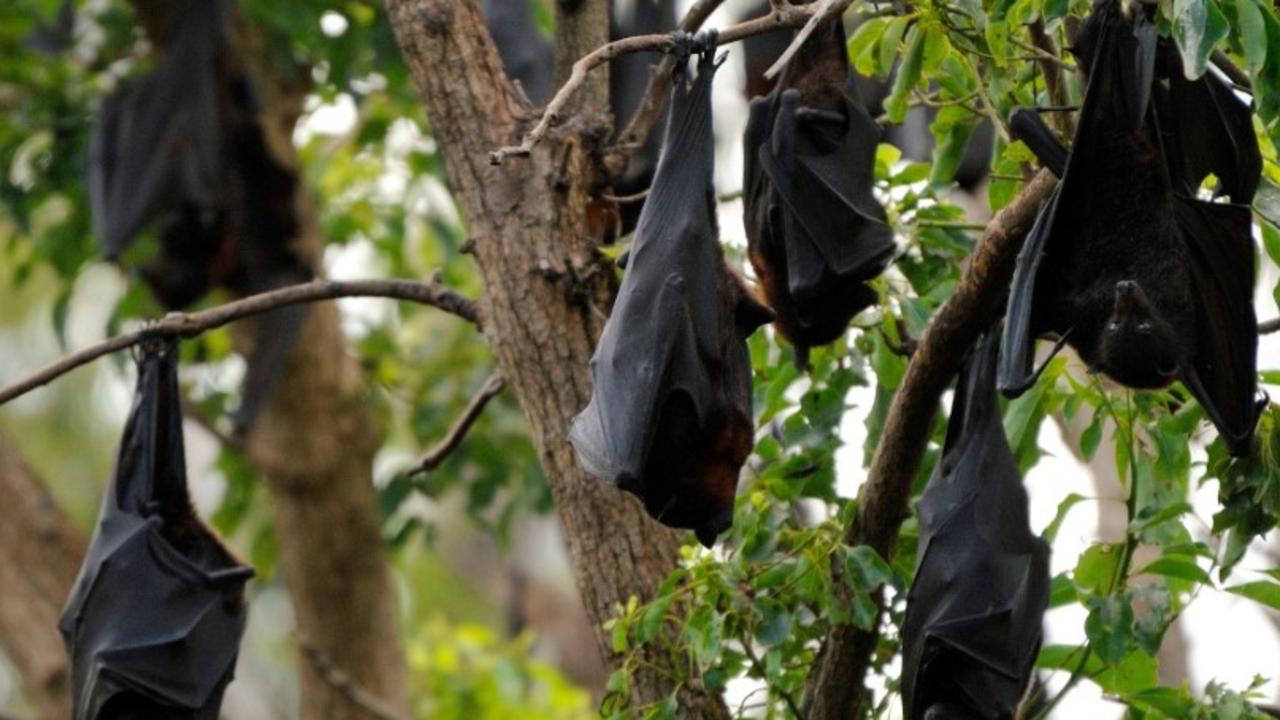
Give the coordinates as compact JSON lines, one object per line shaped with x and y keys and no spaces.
{"x":547,"y":294}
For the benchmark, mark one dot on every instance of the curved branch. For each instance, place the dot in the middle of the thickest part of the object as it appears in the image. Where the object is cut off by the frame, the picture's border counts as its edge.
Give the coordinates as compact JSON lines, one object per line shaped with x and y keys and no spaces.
{"x":1267,"y":327}
{"x":780,"y":18}
{"x":836,"y":681}
{"x":189,"y":325}
{"x":441,"y":450}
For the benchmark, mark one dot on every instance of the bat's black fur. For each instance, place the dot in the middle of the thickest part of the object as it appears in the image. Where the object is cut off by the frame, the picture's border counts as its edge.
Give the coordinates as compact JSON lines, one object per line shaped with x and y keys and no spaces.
{"x":815,"y":234}
{"x":670,"y":416}
{"x":154,"y":620}
{"x":976,"y":606}
{"x":1148,"y":283}
{"x":182,"y":150}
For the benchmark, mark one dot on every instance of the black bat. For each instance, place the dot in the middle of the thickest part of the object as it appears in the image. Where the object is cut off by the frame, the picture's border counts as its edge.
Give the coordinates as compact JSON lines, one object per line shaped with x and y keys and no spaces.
{"x":1147,"y":282}
{"x":182,"y":150}
{"x":974,"y":612}
{"x":670,"y":416}
{"x":815,"y":234}
{"x":526,"y":53}
{"x":154,"y":620}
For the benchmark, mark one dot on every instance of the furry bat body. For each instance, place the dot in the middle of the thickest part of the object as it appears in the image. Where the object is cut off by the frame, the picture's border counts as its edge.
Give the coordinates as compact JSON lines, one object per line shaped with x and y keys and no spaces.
{"x":670,"y":417}
{"x":974,"y":613}
{"x":1147,"y":282}
{"x":815,"y":234}
{"x":182,"y":150}
{"x":154,"y":621}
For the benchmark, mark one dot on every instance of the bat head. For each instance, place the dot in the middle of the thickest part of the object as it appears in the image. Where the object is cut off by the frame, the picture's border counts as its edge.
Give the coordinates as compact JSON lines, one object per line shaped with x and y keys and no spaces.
{"x":1139,"y":347}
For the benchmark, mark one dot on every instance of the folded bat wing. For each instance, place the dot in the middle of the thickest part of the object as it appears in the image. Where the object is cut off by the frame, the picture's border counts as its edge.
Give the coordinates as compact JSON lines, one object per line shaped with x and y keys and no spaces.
{"x":154,"y":620}
{"x":835,"y":223}
{"x":156,"y":144}
{"x":1223,"y":373}
{"x":974,"y":612}
{"x":665,"y":319}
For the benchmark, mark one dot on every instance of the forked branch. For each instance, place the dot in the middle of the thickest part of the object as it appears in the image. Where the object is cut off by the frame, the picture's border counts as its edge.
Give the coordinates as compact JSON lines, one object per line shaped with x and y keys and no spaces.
{"x":184,"y":325}
{"x":450,"y":442}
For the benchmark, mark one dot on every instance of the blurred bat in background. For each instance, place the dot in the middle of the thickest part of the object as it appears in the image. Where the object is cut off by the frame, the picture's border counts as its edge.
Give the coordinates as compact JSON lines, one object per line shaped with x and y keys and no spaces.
{"x":154,"y":620}
{"x":670,"y":417}
{"x":975,"y":610}
{"x":815,"y":234}
{"x":1148,"y":282}
{"x":182,"y":150}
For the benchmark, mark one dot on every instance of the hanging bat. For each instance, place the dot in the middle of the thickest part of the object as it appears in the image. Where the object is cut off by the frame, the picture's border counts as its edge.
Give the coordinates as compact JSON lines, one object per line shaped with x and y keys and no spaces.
{"x":974,"y":612}
{"x":815,"y":234}
{"x":182,"y":150}
{"x":154,"y":620}
{"x":670,"y":418}
{"x":1145,"y":280}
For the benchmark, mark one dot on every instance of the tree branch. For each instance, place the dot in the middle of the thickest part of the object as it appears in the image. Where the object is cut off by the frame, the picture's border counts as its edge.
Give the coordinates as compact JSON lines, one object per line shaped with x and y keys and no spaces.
{"x":343,"y":683}
{"x":1267,"y":327}
{"x":441,"y":450}
{"x":189,"y":325}
{"x":779,"y":18}
{"x":836,"y":683}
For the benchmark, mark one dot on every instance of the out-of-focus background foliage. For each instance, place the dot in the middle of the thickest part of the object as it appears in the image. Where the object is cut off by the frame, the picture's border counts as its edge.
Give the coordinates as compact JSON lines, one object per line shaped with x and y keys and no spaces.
{"x":492,"y":628}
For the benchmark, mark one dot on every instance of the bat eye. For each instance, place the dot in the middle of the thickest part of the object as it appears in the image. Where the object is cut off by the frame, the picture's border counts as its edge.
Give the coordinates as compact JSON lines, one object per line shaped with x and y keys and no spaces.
{"x":1144,"y":327}
{"x":1113,"y":326}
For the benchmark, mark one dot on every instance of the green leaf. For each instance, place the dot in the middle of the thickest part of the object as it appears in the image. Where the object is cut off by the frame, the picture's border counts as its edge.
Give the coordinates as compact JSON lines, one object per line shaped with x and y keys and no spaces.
{"x":862,"y":45}
{"x":889,"y":41}
{"x":1092,"y":436}
{"x":1151,"y":516}
{"x":1135,"y":671}
{"x":865,"y":569}
{"x":1263,"y":591}
{"x":1171,"y":702}
{"x":1109,"y":628}
{"x":1253,"y":34}
{"x":1198,"y":25}
{"x":895,"y":106}
{"x":775,"y":624}
{"x":1096,"y":567}
{"x":1179,"y":567}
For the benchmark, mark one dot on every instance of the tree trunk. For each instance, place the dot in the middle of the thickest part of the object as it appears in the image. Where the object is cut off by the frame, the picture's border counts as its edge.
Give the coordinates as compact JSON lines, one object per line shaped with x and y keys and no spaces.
{"x":40,"y":554}
{"x":547,"y":293}
{"x":315,"y":441}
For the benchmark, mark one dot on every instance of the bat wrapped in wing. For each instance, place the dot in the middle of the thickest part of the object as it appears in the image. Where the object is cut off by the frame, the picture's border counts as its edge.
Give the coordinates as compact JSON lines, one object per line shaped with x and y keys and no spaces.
{"x":815,"y":234}
{"x":974,"y":612}
{"x":670,"y":414}
{"x":182,"y":150}
{"x":1126,"y":262}
{"x":154,"y":620}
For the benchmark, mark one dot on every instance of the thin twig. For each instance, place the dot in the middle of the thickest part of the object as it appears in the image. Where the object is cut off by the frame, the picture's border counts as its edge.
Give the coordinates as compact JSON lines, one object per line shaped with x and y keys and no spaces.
{"x":342,"y":682}
{"x":452,"y":439}
{"x":728,"y":196}
{"x":1267,"y":327}
{"x":778,"y":19}
{"x":184,"y":325}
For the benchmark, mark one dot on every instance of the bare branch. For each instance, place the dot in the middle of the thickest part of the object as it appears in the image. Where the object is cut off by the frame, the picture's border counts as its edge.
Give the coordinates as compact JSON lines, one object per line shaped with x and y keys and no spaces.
{"x":1267,"y":327}
{"x":189,"y":325}
{"x":780,"y":18}
{"x":836,"y":682}
{"x":342,"y":682}
{"x":441,"y":450}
